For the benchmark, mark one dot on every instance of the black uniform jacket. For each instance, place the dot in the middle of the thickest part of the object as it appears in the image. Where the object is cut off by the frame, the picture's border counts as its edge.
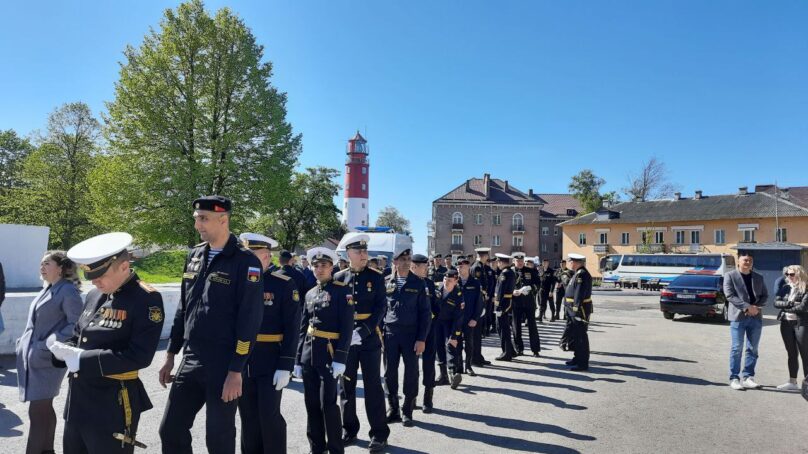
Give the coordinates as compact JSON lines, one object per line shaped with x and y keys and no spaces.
{"x":578,"y":295}
{"x":503,"y":293}
{"x":276,"y":343}
{"x":367,"y":288}
{"x":221,"y":305}
{"x":327,"y":325}
{"x":451,"y":309}
{"x":408,"y":309}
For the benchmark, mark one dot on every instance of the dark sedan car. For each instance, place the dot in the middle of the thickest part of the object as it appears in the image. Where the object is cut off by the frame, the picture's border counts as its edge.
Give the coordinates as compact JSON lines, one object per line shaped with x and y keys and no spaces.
{"x":693,"y":294}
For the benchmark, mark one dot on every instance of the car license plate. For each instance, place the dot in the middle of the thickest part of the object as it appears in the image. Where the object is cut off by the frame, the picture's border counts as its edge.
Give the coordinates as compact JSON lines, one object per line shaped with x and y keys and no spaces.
{"x":683,"y":296}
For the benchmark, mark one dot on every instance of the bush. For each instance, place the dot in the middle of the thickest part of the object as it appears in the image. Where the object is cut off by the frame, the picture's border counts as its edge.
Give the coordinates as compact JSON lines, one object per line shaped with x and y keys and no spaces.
{"x":161,"y":267}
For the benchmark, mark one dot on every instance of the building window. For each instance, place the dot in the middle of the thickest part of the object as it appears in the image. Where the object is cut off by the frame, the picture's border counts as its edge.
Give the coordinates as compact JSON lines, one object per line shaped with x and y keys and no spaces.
{"x":518,"y":221}
{"x":495,"y":241}
{"x":582,"y":239}
{"x":364,"y":170}
{"x":478,"y":219}
{"x":517,"y":240}
{"x":496,"y":219}
{"x":478,"y":240}
{"x":781,"y":235}
{"x":695,"y":237}
{"x":748,"y":236}
{"x":659,"y":237}
{"x":624,"y":238}
{"x":457,"y":239}
{"x":544,"y":247}
{"x":680,"y":237}
{"x":545,"y":231}
{"x":363,"y":205}
{"x":364,"y":187}
{"x":603,"y":238}
{"x":457,"y":217}
{"x":720,"y":237}
{"x":555,"y":231}
{"x":363,"y":222}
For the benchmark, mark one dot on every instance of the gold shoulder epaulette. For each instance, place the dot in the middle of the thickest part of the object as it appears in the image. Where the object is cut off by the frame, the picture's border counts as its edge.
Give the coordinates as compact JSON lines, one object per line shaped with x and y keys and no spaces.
{"x":147,"y":287}
{"x":339,"y":283}
{"x":281,"y":275}
{"x":374,"y":269}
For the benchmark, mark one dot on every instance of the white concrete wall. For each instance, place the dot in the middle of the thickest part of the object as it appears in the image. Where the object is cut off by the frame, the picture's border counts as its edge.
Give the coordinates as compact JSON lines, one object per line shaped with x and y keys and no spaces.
{"x":21,"y":249}
{"x":15,"y":314}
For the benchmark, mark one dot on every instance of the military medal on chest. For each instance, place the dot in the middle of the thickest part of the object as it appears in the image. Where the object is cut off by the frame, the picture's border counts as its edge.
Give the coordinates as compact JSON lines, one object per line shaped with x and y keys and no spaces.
{"x":268,"y":297}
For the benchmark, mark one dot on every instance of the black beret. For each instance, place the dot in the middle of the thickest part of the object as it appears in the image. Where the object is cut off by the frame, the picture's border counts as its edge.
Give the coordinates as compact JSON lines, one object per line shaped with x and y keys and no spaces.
{"x":437,"y":256}
{"x":286,"y":254}
{"x":451,"y":273}
{"x":463,"y":260}
{"x":215,"y":203}
{"x":419,"y":258}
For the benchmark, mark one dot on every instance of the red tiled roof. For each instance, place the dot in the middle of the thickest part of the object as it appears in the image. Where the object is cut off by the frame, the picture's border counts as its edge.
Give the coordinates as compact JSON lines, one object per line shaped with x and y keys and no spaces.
{"x":473,"y":190}
{"x":557,"y":204}
{"x":796,"y":194}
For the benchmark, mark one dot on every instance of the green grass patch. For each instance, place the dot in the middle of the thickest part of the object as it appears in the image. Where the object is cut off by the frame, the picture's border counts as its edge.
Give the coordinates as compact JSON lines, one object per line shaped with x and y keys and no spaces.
{"x":162,"y":267}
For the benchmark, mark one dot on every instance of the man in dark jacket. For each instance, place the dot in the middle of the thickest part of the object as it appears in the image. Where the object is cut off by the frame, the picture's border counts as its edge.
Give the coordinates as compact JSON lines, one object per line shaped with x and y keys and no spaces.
{"x":578,"y":306}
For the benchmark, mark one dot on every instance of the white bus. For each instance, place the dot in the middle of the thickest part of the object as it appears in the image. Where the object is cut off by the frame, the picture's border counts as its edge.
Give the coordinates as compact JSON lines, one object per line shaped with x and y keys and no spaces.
{"x":662,"y":268}
{"x":383,"y":241}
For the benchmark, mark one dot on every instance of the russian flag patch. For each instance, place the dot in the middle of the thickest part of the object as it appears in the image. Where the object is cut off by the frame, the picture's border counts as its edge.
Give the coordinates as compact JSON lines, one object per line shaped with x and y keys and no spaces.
{"x":253,"y":274}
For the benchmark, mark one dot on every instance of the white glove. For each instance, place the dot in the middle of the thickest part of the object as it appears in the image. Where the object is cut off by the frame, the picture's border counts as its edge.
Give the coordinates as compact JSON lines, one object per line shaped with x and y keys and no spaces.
{"x":483,"y":313}
{"x":356,"y":339}
{"x":50,"y":340}
{"x":281,"y":379}
{"x":338,"y":369}
{"x":517,"y":292}
{"x":70,"y":355}
{"x":524,"y":290}
{"x":498,"y":313}
{"x":298,"y":372}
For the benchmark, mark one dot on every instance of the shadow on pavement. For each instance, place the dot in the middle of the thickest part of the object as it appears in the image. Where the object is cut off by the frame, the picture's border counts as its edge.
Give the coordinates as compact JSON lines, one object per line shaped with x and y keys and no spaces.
{"x":8,"y":422}
{"x":518,"y":424}
{"x":553,"y":373}
{"x":529,"y":396}
{"x":544,"y":384}
{"x":647,"y":357}
{"x":500,"y":441}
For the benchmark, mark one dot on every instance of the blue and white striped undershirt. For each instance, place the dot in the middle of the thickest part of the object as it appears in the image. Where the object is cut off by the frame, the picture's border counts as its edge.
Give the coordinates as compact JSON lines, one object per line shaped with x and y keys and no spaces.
{"x":213,"y":253}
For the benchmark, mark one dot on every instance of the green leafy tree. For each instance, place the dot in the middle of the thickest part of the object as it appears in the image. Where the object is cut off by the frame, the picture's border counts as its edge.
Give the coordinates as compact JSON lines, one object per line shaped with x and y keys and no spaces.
{"x":194,"y":114}
{"x":389,"y":216}
{"x":307,"y":216}
{"x":53,"y":187}
{"x":585,"y":187}
{"x":13,"y":151}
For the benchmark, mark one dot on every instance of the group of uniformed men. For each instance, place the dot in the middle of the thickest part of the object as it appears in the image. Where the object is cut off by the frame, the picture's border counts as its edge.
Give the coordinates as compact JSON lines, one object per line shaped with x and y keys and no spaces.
{"x":246,"y":327}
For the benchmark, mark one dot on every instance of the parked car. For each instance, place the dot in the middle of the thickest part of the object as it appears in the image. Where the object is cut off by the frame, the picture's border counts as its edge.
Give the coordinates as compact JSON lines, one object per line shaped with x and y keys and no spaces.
{"x":694,"y":294}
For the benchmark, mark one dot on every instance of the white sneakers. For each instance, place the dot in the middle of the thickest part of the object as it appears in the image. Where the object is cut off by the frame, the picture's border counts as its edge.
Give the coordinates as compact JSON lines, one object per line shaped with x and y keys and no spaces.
{"x":749,"y":383}
{"x":735,"y":384}
{"x":789,"y":387}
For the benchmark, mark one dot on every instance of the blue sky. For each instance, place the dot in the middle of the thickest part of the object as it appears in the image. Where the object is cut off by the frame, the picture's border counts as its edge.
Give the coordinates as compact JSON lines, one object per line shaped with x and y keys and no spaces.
{"x":529,"y":91}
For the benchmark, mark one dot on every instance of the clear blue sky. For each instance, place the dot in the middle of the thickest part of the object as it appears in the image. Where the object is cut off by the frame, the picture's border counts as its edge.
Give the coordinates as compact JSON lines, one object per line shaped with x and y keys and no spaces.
{"x":529,"y":91}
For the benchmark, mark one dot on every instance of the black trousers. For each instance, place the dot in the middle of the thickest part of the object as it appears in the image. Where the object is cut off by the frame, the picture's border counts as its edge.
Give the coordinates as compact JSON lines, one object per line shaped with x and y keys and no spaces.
{"x":525,"y":310}
{"x":447,"y":355}
{"x":504,"y":322}
{"x":194,"y":386}
{"x":400,"y":346}
{"x":263,"y":428}
{"x":324,"y":425}
{"x":82,"y":438}
{"x":795,"y":338}
{"x":544,"y":298}
{"x":559,"y":301}
{"x":469,"y":345}
{"x":428,"y":359}
{"x":370,"y":358}
{"x":489,"y":319}
{"x":580,"y":342}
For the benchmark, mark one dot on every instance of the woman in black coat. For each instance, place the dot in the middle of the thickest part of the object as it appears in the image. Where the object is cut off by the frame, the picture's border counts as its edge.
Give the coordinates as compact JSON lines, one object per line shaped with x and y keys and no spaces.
{"x":793,"y":305}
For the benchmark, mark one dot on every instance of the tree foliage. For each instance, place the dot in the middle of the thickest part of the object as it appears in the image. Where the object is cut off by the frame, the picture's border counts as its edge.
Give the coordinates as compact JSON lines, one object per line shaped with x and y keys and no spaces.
{"x":307,"y":215}
{"x":585,"y":187}
{"x":13,"y":151}
{"x":651,"y":182}
{"x":53,"y":178}
{"x":194,"y":114}
{"x":389,"y":216}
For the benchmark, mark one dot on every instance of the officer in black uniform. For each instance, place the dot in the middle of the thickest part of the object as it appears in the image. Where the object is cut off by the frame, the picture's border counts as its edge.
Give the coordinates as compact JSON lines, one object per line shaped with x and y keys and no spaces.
{"x":449,"y":329}
{"x":325,"y":337}
{"x":491,"y":319}
{"x":116,"y":335}
{"x":217,"y":320}
{"x":524,"y":305}
{"x":562,"y":279}
{"x":485,"y":275}
{"x":547,"y":276}
{"x":419,"y":267}
{"x":438,"y":270}
{"x":386,"y":270}
{"x":285,"y":259}
{"x":578,"y":306}
{"x":474,"y":306}
{"x":367,"y":287}
{"x":263,"y":428}
{"x":503,"y":306}
{"x":406,"y":325}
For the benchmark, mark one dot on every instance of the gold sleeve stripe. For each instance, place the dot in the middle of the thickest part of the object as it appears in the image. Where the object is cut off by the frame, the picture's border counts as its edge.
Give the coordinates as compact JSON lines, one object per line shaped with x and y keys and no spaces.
{"x":242,"y":347}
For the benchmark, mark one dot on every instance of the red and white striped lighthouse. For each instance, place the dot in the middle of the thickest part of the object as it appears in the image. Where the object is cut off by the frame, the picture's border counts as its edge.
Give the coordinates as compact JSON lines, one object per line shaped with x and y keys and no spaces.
{"x":357,"y":172}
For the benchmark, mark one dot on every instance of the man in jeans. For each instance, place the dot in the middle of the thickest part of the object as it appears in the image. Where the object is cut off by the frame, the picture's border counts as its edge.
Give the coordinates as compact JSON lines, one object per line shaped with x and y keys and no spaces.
{"x":746,"y":293}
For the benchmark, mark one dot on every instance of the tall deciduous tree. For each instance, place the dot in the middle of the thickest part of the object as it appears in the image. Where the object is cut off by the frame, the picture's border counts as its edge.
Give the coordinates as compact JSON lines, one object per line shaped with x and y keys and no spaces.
{"x":389,"y":216}
{"x":307,"y":215}
{"x":53,"y":187}
{"x":13,"y":151}
{"x":194,"y":114}
{"x":651,"y":182}
{"x":585,"y":187}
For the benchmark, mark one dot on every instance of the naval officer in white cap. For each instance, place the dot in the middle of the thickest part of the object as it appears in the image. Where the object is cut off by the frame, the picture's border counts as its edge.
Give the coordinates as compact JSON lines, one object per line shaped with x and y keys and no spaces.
{"x":578,"y":307}
{"x":116,"y":335}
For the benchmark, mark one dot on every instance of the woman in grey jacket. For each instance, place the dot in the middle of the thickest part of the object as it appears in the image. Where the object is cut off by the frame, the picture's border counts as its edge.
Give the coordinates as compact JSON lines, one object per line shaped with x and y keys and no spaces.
{"x":54,"y":311}
{"x":793,"y":305}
